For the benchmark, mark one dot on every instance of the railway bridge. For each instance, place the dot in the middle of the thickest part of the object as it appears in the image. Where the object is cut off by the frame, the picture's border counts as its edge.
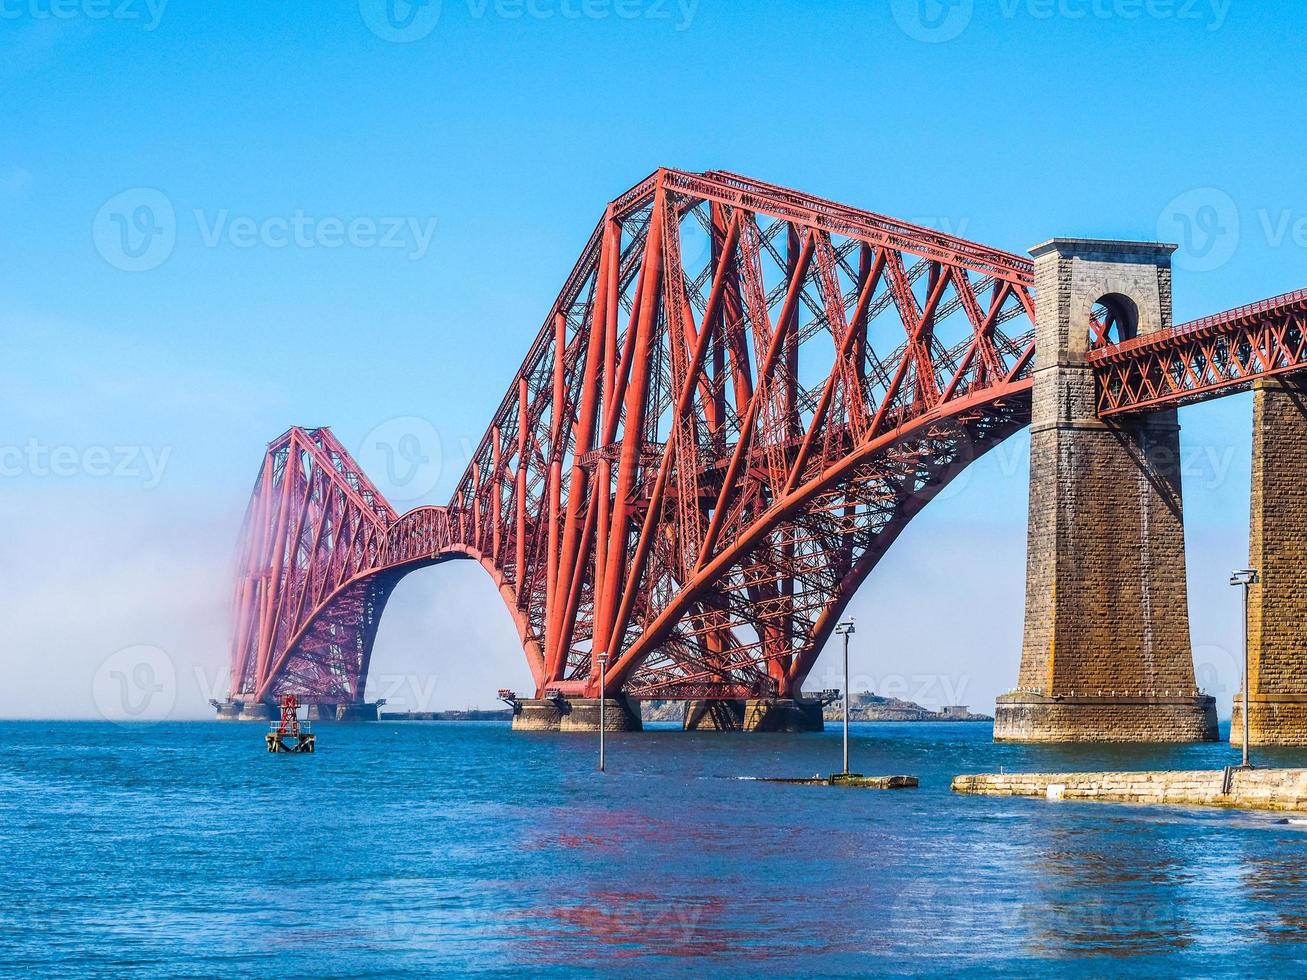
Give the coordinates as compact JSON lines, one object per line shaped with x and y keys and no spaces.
{"x":739,"y":399}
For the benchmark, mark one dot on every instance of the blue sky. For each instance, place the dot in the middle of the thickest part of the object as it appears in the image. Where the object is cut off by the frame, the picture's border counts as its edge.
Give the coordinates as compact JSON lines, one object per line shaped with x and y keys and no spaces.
{"x":485,"y":138}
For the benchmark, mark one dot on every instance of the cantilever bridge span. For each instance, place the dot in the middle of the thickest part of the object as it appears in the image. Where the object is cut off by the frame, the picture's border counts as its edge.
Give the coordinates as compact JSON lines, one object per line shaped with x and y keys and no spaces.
{"x":740,"y":398}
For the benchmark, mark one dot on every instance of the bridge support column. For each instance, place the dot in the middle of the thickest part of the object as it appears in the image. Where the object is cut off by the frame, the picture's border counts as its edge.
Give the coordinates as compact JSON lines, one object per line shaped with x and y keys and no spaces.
{"x":782,"y":715}
{"x":245,"y":707}
{"x":1106,"y":654}
{"x":1277,"y":606}
{"x":714,"y":716}
{"x":576,"y":715}
{"x":620,"y":715}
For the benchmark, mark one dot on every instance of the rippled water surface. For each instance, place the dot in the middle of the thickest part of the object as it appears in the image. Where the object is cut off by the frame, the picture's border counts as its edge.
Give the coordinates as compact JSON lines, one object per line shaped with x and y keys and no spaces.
{"x":412,"y":848}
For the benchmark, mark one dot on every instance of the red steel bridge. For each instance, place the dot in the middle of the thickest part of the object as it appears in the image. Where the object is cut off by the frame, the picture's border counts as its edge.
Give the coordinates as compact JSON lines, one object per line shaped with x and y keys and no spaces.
{"x":740,"y":398}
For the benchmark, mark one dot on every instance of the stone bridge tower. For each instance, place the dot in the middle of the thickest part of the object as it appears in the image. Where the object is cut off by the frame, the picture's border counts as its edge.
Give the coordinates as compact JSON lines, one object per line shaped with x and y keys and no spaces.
{"x":1106,"y":654}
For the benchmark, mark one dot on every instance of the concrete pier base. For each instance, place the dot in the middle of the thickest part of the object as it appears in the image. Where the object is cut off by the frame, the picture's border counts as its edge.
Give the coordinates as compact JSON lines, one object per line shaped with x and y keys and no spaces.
{"x":246,"y":709}
{"x":539,"y":715}
{"x":344,"y":712}
{"x":620,"y":715}
{"x":714,"y":716}
{"x":782,"y":715}
{"x":1022,"y":717}
{"x":1275,"y":719}
{"x":576,"y":715}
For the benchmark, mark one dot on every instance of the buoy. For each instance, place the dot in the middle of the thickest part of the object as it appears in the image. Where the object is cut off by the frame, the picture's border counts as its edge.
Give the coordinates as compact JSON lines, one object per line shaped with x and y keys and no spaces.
{"x":287,"y":734}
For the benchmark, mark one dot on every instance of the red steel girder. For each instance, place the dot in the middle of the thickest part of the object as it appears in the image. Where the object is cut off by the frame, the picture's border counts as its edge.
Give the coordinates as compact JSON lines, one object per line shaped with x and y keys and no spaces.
{"x":1207,"y":358}
{"x":739,"y":399}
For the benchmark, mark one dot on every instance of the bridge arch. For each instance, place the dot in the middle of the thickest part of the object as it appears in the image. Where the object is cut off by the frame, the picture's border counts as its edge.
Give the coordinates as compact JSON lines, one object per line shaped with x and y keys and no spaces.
{"x":1113,"y":318}
{"x":703,"y":455}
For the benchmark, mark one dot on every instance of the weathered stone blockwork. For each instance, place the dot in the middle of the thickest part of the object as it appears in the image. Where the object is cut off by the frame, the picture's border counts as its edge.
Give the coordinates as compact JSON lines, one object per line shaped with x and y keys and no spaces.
{"x":782,"y":715}
{"x":1113,"y":718}
{"x":1106,"y":654}
{"x":1261,"y":789}
{"x":1277,"y":609}
{"x":714,"y":716}
{"x":576,"y":715}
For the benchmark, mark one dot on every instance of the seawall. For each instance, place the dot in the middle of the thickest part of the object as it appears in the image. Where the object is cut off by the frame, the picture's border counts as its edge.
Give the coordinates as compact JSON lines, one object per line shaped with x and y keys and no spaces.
{"x":1258,"y":789}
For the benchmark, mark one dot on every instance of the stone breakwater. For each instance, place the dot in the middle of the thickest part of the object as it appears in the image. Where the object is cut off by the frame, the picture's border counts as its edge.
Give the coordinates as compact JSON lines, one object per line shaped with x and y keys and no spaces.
{"x":1253,"y":789}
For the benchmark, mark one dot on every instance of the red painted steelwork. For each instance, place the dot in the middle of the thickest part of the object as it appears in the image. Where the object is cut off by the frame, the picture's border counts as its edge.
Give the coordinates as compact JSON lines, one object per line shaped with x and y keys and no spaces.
{"x":1207,"y":358}
{"x":738,"y":401}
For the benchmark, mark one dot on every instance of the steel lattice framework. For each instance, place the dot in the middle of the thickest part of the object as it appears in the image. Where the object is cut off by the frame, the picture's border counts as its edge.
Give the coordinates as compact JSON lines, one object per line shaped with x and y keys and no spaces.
{"x":1214,"y":356}
{"x":740,"y":398}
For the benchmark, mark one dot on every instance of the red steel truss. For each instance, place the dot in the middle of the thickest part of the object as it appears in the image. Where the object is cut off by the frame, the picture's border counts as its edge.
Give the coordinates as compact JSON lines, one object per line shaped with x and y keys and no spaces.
{"x":1204,"y":359}
{"x":740,"y":398}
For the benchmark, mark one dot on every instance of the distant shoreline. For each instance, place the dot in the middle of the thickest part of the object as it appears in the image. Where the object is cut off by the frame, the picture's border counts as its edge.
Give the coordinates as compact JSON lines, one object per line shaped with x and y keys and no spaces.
{"x":861,"y":716}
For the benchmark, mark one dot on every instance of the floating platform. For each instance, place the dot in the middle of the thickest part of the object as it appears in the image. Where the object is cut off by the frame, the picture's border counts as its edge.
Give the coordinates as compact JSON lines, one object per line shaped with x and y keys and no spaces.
{"x":288,"y":742}
{"x":854,"y":780}
{"x":1247,"y":789}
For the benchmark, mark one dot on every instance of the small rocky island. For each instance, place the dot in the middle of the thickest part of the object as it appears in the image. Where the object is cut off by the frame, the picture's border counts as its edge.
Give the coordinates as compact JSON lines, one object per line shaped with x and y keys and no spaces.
{"x":865,"y":706}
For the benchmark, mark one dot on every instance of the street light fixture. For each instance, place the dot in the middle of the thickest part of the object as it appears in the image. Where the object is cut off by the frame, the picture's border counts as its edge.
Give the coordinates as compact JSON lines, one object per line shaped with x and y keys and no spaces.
{"x":845,"y":629}
{"x":1247,"y":577}
{"x":602,"y":661}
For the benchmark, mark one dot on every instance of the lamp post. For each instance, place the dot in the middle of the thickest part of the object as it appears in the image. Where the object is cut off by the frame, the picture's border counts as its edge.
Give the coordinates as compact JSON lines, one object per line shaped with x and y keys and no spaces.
{"x":1247,"y":577}
{"x":845,"y":629}
{"x":602,"y":661}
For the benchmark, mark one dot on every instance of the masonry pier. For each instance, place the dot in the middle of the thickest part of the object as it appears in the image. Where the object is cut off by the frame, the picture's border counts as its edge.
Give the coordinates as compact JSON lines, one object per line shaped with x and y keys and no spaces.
{"x":1277,"y":545}
{"x":782,"y":715}
{"x":563,"y":714}
{"x":1106,"y":654}
{"x":714,"y":716}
